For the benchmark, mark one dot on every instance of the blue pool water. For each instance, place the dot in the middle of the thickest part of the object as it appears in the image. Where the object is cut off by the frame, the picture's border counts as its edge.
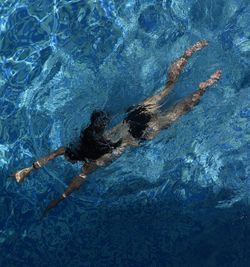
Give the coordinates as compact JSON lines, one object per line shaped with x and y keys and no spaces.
{"x":179,"y":200}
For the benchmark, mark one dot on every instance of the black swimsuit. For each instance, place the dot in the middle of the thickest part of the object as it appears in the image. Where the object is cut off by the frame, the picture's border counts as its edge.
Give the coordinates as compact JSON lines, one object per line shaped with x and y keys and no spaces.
{"x":92,"y":144}
{"x":138,"y":119}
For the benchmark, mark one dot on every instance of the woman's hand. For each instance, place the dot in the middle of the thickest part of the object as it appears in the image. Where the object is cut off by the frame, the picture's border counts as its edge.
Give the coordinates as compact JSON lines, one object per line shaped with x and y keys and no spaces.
{"x":20,"y":175}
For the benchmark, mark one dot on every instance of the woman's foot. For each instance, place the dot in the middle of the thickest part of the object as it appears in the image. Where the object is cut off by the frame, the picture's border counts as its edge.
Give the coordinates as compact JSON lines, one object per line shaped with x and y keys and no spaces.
{"x":196,"y":47}
{"x":213,"y":78}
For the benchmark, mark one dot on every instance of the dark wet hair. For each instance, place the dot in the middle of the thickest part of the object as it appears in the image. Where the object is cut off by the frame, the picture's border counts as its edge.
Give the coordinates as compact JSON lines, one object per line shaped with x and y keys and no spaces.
{"x":91,"y":144}
{"x":99,"y":120}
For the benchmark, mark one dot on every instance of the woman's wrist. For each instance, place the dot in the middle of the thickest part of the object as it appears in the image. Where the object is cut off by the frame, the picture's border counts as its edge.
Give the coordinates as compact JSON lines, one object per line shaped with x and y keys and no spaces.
{"x":36,"y":165}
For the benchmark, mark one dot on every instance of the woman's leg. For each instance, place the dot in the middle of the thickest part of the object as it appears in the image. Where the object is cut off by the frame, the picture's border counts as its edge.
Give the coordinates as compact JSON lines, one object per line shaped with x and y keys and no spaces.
{"x":168,"y":117}
{"x":173,"y":74}
{"x":20,"y":175}
{"x":165,"y":119}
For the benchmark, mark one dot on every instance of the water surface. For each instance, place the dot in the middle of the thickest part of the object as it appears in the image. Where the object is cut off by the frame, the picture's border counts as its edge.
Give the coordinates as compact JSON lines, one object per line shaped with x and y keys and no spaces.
{"x":179,"y":200}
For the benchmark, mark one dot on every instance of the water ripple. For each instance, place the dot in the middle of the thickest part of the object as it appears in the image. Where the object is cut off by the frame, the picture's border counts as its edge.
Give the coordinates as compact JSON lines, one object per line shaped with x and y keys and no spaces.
{"x":60,"y":60}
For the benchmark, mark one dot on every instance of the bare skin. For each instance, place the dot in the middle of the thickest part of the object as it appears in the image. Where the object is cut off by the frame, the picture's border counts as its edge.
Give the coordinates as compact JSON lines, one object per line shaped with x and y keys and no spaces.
{"x":20,"y":175}
{"x":160,"y":120}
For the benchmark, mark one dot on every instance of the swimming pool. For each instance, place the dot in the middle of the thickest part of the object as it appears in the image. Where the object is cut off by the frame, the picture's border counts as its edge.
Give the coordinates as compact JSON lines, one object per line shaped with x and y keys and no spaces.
{"x":179,"y":200}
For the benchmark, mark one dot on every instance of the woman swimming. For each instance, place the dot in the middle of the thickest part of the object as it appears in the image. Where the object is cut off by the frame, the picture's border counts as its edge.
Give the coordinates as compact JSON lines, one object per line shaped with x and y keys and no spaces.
{"x":98,"y":146}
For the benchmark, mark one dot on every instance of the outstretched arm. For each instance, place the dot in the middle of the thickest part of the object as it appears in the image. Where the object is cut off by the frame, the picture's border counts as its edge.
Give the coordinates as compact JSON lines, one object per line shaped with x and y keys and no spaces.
{"x":20,"y":175}
{"x":77,"y":181}
{"x":75,"y":184}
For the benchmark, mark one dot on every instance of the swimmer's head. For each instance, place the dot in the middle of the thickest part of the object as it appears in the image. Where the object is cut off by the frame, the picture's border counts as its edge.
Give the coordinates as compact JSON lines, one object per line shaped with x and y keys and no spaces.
{"x":90,"y":141}
{"x":99,"y":120}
